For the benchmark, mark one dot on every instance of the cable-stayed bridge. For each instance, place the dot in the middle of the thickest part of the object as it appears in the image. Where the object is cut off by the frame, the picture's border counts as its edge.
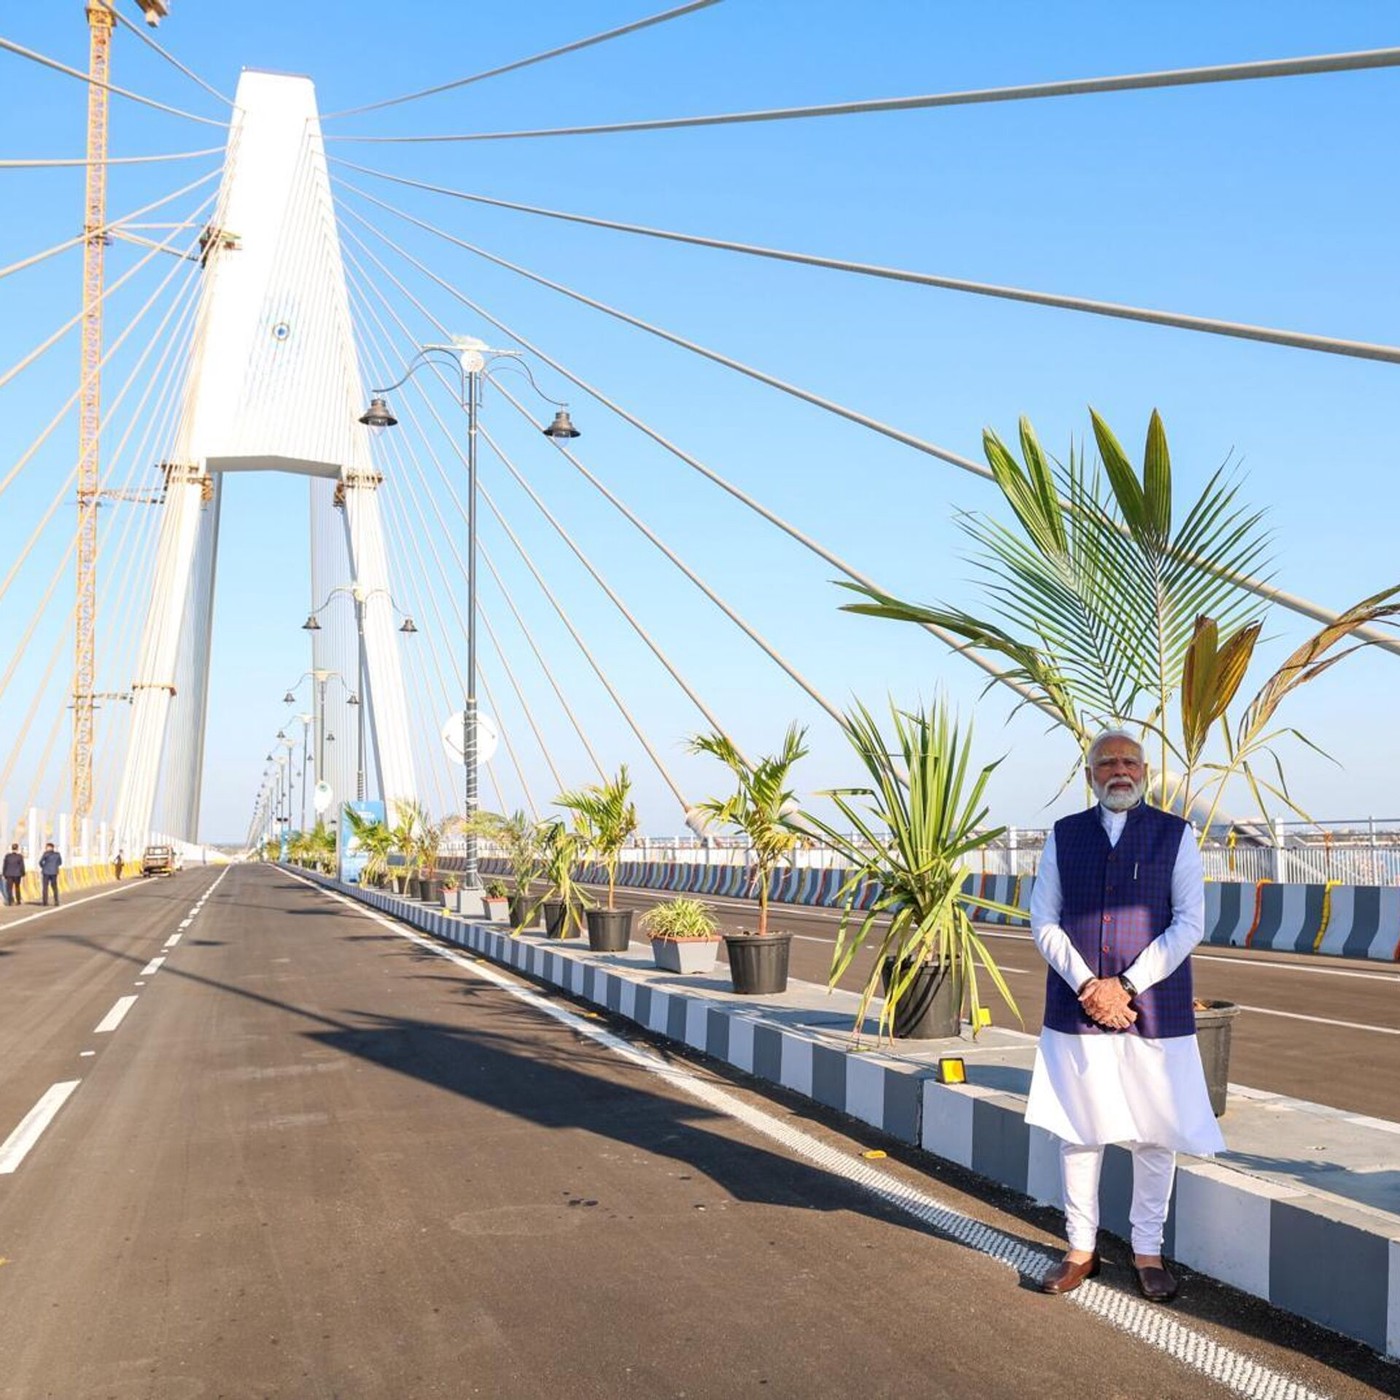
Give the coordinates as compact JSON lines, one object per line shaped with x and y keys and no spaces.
{"x":629,"y":589}
{"x":363,"y":373}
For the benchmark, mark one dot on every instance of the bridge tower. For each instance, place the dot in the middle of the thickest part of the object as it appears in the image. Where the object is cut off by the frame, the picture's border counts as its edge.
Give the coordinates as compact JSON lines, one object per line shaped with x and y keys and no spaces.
{"x":272,"y":384}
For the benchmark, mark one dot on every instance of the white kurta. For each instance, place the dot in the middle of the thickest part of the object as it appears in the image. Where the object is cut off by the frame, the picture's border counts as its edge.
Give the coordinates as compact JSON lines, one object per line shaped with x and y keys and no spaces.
{"x":1096,"y":1089}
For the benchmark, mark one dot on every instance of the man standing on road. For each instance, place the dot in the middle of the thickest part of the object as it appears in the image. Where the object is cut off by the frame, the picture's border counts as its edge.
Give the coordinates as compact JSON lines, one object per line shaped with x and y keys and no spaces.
{"x":12,"y":872}
{"x":49,"y":863}
{"x":1117,"y":906}
{"x":117,"y":865}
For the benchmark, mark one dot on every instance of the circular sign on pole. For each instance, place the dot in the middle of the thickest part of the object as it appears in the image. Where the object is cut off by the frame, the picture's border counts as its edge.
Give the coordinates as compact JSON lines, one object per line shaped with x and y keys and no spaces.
{"x":322,"y":796}
{"x":454,"y":737}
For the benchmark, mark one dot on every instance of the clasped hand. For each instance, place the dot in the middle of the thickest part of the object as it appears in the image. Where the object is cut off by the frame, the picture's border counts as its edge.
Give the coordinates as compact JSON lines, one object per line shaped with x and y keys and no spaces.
{"x":1105,"y":1001}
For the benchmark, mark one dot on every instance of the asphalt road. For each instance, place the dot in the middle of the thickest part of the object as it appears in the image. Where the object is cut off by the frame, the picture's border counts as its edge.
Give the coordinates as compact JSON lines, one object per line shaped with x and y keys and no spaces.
{"x":1322,"y":1029}
{"x":316,"y":1157}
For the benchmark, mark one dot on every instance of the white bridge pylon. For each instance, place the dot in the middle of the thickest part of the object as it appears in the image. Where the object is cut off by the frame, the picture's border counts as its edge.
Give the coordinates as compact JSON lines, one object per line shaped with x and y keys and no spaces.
{"x":273,"y":385}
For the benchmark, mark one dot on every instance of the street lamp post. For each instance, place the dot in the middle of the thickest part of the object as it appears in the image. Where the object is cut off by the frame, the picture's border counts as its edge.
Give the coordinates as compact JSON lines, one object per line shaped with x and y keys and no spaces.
{"x":356,"y":700}
{"x":471,"y":357}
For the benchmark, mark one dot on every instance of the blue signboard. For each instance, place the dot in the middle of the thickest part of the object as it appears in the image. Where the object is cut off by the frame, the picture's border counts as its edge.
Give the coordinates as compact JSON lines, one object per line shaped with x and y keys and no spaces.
{"x":351,"y":856}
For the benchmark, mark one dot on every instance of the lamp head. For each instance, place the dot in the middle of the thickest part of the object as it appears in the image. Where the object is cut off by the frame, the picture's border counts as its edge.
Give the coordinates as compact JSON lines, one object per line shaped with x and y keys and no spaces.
{"x":311,"y":624}
{"x":408,"y":626}
{"x":377,"y":415}
{"x":562,"y":429}
{"x":289,"y":699}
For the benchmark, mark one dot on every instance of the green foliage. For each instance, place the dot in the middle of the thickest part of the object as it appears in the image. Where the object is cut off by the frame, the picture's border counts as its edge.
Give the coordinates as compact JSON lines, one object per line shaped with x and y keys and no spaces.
{"x":496,"y":889}
{"x":679,"y":918}
{"x":605,"y":819}
{"x":910,"y":829}
{"x":761,"y":805}
{"x":560,"y":849}
{"x":1109,"y":606}
{"x":375,"y":839}
{"x":517,"y":836}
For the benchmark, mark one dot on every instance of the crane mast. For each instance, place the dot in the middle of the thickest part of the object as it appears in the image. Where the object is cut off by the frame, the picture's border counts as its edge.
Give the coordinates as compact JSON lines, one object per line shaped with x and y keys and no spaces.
{"x":100,"y":23}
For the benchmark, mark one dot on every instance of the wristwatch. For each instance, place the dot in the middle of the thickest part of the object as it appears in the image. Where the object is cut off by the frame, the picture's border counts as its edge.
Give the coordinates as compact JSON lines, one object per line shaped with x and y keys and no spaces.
{"x":1127,"y":986}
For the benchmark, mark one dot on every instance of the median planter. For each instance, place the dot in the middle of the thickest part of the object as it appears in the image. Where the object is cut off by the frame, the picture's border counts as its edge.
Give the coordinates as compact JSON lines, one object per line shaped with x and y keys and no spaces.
{"x":1213,"y":1022}
{"x":609,"y":930}
{"x":429,"y":889}
{"x":497,"y":908}
{"x":758,"y":962}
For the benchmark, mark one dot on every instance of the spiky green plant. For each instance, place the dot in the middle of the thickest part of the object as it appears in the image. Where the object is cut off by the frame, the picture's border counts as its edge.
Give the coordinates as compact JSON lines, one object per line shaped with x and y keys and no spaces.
{"x":910,"y":829}
{"x":517,"y":836}
{"x":376,"y":840}
{"x":606,"y":819}
{"x":761,"y":806}
{"x":1103,"y":595}
{"x":560,"y":848}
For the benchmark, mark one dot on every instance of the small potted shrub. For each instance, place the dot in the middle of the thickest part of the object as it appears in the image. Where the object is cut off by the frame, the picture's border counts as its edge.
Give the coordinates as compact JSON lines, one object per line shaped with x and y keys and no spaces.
{"x":497,"y":900}
{"x":684,"y":935}
{"x":449,"y":892}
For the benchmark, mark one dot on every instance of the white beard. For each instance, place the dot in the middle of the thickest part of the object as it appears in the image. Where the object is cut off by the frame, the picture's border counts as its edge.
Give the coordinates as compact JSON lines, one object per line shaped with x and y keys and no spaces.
{"x":1120,"y":798}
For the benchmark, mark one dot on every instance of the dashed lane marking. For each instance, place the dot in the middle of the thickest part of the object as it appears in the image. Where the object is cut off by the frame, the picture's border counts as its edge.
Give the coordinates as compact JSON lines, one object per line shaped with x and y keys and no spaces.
{"x":16,"y":1147}
{"x":114,"y":1017}
{"x":1146,"y":1322}
{"x":152,"y":967}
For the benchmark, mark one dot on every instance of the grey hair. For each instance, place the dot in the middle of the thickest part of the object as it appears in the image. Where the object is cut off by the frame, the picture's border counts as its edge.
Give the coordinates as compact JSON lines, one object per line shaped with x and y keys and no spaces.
{"x":1104,"y":736}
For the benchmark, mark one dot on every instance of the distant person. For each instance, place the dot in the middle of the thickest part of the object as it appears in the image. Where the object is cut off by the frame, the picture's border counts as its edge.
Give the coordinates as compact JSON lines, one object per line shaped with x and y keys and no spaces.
{"x":1118,"y":906}
{"x":117,"y":865}
{"x":12,"y":872}
{"x":49,"y":863}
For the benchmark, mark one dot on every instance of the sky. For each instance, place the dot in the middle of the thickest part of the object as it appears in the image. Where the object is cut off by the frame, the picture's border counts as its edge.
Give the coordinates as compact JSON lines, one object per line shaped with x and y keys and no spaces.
{"x":1258,"y":202}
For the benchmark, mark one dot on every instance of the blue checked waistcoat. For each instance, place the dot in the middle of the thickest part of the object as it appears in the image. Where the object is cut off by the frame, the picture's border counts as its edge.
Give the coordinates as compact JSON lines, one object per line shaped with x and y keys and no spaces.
{"x":1116,"y":900}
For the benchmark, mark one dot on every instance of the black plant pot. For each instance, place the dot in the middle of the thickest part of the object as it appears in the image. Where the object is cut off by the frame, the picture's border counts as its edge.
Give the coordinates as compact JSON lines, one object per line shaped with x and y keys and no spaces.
{"x":1213,"y":1022}
{"x":555,"y":920}
{"x":520,"y":906}
{"x":430,"y":890}
{"x":930,"y":1007}
{"x":609,"y":930}
{"x":758,"y":964}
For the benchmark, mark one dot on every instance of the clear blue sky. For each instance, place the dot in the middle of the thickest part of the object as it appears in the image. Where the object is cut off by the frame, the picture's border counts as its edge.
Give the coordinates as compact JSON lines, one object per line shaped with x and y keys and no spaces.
{"x":1260,"y":202}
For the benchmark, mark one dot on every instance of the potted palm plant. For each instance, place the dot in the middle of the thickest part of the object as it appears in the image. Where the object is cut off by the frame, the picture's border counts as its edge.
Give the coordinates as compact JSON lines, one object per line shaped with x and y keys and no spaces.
{"x":909,"y":831}
{"x":606,"y":819}
{"x":374,"y":838}
{"x":565,"y":901}
{"x":403,"y":836}
{"x":684,"y":935}
{"x":760,"y":808}
{"x":517,"y":837}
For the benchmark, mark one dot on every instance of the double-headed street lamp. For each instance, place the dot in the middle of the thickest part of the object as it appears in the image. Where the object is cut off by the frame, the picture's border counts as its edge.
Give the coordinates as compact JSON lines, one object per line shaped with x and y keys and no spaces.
{"x":471,"y":358}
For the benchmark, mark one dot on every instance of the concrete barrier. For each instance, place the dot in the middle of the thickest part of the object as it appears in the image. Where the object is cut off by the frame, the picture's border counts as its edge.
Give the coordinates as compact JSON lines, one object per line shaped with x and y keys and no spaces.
{"x":1354,"y":921}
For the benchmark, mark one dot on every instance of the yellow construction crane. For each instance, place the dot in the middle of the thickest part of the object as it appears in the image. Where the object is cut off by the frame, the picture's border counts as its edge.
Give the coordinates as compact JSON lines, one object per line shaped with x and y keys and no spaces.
{"x":101,"y":21}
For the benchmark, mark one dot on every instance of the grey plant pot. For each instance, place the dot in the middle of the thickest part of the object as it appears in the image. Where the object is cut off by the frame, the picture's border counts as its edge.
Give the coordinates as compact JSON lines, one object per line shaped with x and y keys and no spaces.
{"x":685,"y":954}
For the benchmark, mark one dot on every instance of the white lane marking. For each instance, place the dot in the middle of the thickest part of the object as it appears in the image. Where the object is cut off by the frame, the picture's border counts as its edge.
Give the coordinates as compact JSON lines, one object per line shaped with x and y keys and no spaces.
{"x":16,"y":1146}
{"x":1144,"y":1321}
{"x":186,"y":923}
{"x":71,"y":904}
{"x":152,"y":967}
{"x":1322,"y":1020}
{"x":114,"y":1017}
{"x":85,"y":1054}
{"x":171,"y":941}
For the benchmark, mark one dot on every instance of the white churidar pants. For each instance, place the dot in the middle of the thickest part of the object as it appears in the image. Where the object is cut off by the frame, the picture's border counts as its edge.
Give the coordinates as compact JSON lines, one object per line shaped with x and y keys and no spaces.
{"x":1153,"y":1170}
